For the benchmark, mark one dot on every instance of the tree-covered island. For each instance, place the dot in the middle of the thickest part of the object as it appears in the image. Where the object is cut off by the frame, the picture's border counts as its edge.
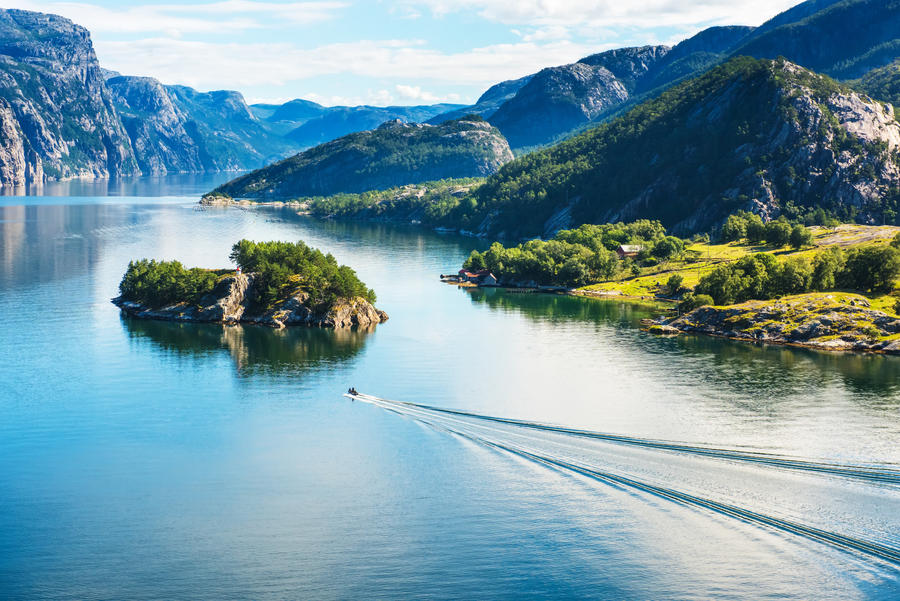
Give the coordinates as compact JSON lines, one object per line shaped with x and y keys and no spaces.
{"x":276,"y":284}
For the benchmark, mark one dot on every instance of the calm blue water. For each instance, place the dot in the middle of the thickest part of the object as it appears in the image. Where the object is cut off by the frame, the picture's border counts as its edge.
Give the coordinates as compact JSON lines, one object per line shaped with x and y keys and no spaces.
{"x":144,"y":460}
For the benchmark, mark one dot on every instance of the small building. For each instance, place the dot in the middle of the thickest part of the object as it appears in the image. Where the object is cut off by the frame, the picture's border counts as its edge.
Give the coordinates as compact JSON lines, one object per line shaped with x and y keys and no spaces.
{"x":486,"y":278}
{"x":628,"y":250}
{"x":482,"y":278}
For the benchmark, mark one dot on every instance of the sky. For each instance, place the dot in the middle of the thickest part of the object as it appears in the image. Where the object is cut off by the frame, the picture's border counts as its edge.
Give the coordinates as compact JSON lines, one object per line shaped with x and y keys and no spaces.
{"x":379,"y":52}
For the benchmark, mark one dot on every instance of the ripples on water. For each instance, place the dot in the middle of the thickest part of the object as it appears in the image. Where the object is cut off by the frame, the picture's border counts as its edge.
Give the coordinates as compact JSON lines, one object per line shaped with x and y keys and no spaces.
{"x":145,"y":460}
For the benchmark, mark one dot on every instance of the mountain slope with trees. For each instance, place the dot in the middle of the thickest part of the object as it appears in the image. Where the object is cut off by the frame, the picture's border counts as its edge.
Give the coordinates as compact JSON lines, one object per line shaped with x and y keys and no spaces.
{"x":394,"y":154}
{"x":750,"y":134}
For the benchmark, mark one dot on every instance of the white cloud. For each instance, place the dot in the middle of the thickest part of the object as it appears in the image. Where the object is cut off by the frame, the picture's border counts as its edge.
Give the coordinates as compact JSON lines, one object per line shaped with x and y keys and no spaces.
{"x":607,"y":13}
{"x":207,"y":65}
{"x":227,"y":16}
{"x":416,"y":93}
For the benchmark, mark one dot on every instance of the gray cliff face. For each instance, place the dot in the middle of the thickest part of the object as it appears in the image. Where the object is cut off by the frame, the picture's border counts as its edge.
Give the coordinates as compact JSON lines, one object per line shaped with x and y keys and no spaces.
{"x":176,"y":129}
{"x":394,"y":154}
{"x":57,"y":115}
{"x":559,"y":99}
{"x":232,"y":301}
{"x":156,"y":126}
{"x":63,"y":117}
{"x":488,"y":103}
{"x":802,"y":156}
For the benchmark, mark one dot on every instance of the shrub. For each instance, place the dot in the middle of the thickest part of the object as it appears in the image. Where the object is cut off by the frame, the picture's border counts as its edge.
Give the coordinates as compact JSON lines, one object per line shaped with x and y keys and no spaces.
{"x":667,"y":247}
{"x":692,"y":301}
{"x":735,"y":228}
{"x":871,"y":268}
{"x":778,"y":232}
{"x":161,"y":283}
{"x":755,"y":229}
{"x":674,"y":283}
{"x":801,"y":236}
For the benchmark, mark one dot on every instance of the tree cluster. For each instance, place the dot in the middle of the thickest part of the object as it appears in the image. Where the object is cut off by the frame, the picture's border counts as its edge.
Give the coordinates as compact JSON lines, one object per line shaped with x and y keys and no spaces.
{"x":779,"y":232}
{"x":282,"y":267}
{"x":576,"y":257}
{"x":763,"y":276}
{"x":161,"y":283}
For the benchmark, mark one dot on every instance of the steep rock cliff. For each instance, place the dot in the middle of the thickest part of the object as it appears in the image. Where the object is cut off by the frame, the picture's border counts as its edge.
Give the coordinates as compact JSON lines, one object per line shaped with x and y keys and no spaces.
{"x":58,"y":120}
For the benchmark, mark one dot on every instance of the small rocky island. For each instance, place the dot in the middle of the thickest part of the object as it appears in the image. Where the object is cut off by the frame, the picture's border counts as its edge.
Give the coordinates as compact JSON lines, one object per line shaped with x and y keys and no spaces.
{"x":276,"y":284}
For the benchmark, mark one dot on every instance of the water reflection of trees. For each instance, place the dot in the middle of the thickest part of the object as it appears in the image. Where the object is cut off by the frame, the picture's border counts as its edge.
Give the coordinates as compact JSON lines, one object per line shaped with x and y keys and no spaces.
{"x":874,"y":378}
{"x":254,"y":349}
{"x":561,"y":307}
{"x":764,"y":373}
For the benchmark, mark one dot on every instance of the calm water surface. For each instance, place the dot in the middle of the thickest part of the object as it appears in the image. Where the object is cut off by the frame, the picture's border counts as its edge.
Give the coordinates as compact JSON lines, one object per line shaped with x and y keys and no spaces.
{"x":146,"y":460}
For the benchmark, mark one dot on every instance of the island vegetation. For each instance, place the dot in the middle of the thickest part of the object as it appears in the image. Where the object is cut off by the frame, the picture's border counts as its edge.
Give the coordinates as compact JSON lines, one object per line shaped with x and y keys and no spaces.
{"x":277,"y":283}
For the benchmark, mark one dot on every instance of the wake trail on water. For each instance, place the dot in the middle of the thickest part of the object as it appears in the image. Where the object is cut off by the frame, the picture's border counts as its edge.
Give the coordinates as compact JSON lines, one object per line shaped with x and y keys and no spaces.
{"x":432,"y":416}
{"x":884,"y":475}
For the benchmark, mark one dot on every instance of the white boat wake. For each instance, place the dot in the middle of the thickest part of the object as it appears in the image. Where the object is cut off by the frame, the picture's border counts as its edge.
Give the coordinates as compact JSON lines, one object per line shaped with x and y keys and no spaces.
{"x":851,"y":507}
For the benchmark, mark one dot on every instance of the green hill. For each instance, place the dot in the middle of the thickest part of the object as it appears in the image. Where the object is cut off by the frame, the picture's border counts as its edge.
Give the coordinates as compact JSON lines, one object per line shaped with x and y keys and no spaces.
{"x":395,"y":154}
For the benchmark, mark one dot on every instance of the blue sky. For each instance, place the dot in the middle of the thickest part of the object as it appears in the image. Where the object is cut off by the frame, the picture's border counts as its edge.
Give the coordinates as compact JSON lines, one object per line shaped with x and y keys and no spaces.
{"x":377,"y":51}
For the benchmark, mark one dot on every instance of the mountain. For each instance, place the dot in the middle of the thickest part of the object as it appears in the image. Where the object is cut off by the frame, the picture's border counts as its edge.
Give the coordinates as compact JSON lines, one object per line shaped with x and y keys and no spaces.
{"x":56,"y":115}
{"x":843,"y":39}
{"x":750,"y":134}
{"x":488,"y":103}
{"x":339,"y":121}
{"x":394,"y":154}
{"x":882,"y":84}
{"x":176,"y":129}
{"x":558,"y":99}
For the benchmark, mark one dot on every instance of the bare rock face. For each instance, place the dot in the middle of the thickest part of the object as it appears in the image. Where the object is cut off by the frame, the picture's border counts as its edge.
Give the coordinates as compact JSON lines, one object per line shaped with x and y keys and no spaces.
{"x":57,"y":115}
{"x":558,"y":99}
{"x":232,"y":301}
{"x":819,"y":146}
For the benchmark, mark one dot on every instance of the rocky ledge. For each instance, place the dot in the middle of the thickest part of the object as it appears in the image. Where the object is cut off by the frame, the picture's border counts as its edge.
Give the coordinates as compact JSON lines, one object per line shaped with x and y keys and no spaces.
{"x":824,"y":321}
{"x":232,"y":301}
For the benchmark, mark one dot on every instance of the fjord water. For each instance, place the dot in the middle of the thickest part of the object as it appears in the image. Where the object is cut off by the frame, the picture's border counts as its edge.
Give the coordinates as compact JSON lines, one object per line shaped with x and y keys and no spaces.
{"x":149,"y":460}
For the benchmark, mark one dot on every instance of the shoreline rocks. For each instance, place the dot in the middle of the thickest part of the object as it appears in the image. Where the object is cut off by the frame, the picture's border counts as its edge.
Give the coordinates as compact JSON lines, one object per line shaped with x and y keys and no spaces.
{"x":840,"y":322}
{"x":232,"y":302}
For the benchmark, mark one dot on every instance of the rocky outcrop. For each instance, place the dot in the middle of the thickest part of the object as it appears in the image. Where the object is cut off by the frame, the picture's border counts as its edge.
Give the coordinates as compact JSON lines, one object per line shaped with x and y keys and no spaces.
{"x":233,"y":301}
{"x":825,"y":321}
{"x":176,"y":129}
{"x":558,"y":99}
{"x":394,"y":154}
{"x":155,"y":125}
{"x":488,"y":103}
{"x":56,"y":114}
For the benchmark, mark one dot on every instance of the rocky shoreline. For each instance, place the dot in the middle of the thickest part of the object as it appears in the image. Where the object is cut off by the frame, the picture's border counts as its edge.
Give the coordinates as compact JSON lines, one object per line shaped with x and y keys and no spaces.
{"x":231,"y":302}
{"x":837,"y":322}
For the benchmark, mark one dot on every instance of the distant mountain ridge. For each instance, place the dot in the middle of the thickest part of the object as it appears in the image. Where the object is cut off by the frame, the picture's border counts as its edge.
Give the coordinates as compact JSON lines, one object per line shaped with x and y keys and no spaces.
{"x":841,"y":38}
{"x":62,"y":116}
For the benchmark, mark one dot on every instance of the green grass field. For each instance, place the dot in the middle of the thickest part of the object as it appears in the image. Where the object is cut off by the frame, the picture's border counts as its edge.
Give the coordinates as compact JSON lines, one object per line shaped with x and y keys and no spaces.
{"x":699,"y":259}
